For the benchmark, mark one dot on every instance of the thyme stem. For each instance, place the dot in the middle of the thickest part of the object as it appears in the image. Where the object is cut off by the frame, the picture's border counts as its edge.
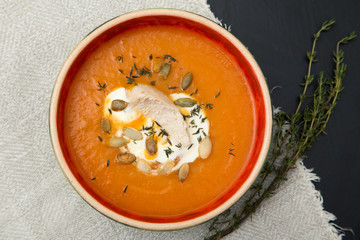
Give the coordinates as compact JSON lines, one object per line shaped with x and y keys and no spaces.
{"x":289,"y":146}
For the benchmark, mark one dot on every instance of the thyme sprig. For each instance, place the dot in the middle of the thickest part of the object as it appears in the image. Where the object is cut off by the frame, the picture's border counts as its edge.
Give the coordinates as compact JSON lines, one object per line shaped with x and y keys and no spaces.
{"x":294,"y":135}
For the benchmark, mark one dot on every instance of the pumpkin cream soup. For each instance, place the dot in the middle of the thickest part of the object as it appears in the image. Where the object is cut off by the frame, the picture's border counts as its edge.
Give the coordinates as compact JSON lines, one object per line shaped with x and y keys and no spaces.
{"x":159,"y":121}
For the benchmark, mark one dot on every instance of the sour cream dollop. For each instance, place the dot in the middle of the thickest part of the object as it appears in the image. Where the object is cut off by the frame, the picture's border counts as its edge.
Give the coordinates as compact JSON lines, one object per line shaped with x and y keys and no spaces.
{"x":194,"y":122}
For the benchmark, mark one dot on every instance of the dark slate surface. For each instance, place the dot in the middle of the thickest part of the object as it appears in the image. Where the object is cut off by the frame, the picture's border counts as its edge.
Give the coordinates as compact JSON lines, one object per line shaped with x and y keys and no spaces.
{"x":278,"y":34}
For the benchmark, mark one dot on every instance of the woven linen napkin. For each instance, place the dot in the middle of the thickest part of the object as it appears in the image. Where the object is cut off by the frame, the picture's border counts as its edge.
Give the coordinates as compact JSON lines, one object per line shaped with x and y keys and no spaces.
{"x":36,"y":200}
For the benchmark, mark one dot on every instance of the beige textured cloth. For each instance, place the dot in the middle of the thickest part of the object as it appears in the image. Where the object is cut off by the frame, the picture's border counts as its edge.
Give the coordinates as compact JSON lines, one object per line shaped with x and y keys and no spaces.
{"x":36,"y":200}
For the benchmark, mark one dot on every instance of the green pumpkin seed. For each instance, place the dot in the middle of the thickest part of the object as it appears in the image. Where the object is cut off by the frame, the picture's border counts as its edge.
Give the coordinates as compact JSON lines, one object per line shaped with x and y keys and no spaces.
{"x":125,"y":158}
{"x":205,"y":148}
{"x":165,"y":70}
{"x":185,"y":102}
{"x":118,"y":105}
{"x":183,"y":172}
{"x":132,"y":133}
{"x":105,"y":125}
{"x":165,"y":168}
{"x":186,"y":81}
{"x":143,"y":166}
{"x":117,"y":142}
{"x":151,"y":145}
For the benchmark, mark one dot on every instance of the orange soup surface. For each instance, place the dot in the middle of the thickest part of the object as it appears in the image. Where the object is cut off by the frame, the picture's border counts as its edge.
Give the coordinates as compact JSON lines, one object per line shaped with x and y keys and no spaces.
{"x":218,"y":84}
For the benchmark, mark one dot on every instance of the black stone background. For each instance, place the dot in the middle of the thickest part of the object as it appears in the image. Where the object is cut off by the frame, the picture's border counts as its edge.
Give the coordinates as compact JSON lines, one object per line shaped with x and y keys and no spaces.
{"x":278,"y":33}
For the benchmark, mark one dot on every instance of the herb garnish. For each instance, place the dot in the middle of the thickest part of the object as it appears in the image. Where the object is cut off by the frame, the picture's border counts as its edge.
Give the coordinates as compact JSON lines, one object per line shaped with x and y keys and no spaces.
{"x":230,"y":152}
{"x":199,"y":139}
{"x":152,"y":83}
{"x":217,"y":95}
{"x":108,"y":163}
{"x":209,"y":105}
{"x":168,"y":151}
{"x":120,"y":58}
{"x":157,"y":124}
{"x":146,"y":128}
{"x":135,"y":67}
{"x":144,"y":71}
{"x":186,"y":116}
{"x":151,"y":132}
{"x":172,"y":87}
{"x":179,"y":145}
{"x":133,"y":56}
{"x":93,"y":178}
{"x":195,"y":111}
{"x":190,"y":146}
{"x":196,"y":91}
{"x":151,"y":57}
{"x":169,"y":141}
{"x":101,"y":87}
{"x":197,"y":132}
{"x":97,"y":104}
{"x":163,"y":133}
{"x":100,"y":138}
{"x":125,"y":189}
{"x":121,"y":71}
{"x":169,"y":57}
{"x":129,"y":80}
{"x":203,"y":120}
{"x":110,"y":111}
{"x":302,"y":129}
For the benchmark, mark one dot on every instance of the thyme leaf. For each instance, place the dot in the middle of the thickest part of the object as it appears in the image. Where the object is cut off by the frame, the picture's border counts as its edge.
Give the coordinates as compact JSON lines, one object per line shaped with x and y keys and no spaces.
{"x":209,"y":106}
{"x":101,"y":87}
{"x":217,"y":95}
{"x":168,"y":152}
{"x":120,"y":58}
{"x":169,"y":57}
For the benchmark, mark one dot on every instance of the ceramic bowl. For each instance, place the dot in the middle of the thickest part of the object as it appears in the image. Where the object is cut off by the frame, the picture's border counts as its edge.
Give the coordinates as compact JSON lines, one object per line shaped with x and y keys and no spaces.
{"x":212,"y":30}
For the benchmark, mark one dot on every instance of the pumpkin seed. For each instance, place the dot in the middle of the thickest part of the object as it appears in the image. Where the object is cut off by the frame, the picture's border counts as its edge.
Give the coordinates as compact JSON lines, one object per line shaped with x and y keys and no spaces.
{"x":205,"y":148}
{"x":157,"y":65}
{"x":185,"y":102}
{"x":118,"y":105}
{"x":165,"y":70}
{"x":105,"y":125}
{"x":143,"y":166}
{"x":151,"y":145}
{"x":117,"y":142}
{"x":186,"y":81}
{"x":165,"y":168}
{"x":132,"y":133}
{"x":183,"y":172}
{"x":125,"y":158}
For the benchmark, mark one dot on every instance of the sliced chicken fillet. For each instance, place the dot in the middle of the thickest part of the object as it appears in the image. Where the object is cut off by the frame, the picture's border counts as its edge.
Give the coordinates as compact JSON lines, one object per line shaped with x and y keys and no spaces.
{"x":153,"y":103}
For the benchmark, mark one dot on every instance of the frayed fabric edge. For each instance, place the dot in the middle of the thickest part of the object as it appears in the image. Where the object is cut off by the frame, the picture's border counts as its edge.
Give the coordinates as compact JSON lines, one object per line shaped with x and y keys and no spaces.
{"x":329,"y":217}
